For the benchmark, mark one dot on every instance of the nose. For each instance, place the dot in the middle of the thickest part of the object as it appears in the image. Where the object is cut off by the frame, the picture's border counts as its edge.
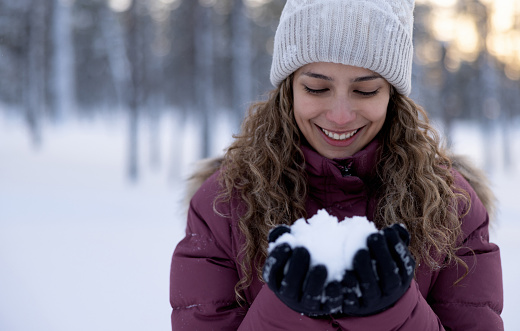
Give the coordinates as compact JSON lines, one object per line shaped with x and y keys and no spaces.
{"x":341,"y":112}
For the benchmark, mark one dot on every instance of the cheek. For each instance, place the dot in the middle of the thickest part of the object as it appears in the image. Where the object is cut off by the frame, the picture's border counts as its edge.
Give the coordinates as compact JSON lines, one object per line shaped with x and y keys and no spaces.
{"x":301,"y":119}
{"x":303,"y":110}
{"x":377,"y":113}
{"x":381,"y":115}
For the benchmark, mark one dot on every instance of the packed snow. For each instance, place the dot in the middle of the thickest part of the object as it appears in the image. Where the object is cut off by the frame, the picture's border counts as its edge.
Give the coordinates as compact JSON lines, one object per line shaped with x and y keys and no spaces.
{"x":323,"y":234}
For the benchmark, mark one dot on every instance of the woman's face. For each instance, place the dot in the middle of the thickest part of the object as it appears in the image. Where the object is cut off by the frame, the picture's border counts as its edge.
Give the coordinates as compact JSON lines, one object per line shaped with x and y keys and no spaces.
{"x":339,"y":108}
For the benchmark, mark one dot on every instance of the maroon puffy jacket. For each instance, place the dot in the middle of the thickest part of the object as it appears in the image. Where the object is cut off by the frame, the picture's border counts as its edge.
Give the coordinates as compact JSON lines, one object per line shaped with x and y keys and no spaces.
{"x":205,"y":268}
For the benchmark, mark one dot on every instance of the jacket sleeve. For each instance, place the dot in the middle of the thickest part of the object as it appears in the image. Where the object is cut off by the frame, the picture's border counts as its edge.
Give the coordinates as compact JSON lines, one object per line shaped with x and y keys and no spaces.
{"x":203,"y":274}
{"x":476,"y":301}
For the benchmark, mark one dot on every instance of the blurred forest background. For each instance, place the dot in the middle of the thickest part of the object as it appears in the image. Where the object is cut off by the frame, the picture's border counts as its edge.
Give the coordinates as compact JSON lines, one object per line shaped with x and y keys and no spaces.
{"x":143,"y":58}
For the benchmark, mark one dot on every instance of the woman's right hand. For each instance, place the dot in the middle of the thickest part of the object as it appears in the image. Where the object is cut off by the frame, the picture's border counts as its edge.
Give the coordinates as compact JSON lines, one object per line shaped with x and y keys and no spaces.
{"x":287,"y":274}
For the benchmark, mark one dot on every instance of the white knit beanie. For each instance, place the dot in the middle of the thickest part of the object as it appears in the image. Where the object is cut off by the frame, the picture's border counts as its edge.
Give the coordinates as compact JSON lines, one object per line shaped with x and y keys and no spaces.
{"x":372,"y":34}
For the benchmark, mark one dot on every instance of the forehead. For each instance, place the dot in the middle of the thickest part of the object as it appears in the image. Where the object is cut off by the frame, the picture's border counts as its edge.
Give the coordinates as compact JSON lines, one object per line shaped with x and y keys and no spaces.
{"x":334,"y":70}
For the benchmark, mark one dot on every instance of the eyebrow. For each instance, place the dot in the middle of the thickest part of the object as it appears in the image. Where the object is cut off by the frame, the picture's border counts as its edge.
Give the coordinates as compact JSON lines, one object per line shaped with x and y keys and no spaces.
{"x":366,"y":78}
{"x":355,"y":80}
{"x":315,"y":75}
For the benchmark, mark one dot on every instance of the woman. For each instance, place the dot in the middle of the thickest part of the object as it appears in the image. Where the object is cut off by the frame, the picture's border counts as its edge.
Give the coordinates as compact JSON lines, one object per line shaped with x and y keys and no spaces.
{"x":338,"y":133}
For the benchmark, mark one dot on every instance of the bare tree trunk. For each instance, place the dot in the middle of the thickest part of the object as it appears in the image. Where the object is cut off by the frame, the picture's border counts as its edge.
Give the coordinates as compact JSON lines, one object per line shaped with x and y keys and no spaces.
{"x":446,"y":100}
{"x":490,"y":107}
{"x":35,"y":101}
{"x":204,"y":73}
{"x":64,"y":80}
{"x":154,"y":119}
{"x":135,"y":96}
{"x":507,"y":120}
{"x":242,"y":58}
{"x":119,"y":66}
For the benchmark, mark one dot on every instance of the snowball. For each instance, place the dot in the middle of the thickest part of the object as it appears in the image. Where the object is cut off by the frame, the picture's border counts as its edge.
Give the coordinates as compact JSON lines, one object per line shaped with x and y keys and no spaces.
{"x":329,"y":242}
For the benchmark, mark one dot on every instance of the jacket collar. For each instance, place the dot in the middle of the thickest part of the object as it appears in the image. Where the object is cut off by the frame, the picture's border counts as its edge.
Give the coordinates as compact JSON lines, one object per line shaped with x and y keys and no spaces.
{"x":362,"y":164}
{"x":341,"y":183}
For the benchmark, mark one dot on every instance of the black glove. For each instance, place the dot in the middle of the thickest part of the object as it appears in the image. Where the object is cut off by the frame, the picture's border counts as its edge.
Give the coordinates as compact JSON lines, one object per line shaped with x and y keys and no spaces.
{"x":286,"y":272}
{"x":381,"y":275}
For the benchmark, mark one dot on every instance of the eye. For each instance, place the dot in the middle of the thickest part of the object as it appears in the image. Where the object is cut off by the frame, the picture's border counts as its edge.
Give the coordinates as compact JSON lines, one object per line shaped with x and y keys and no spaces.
{"x":366,"y":94}
{"x":311,"y":91}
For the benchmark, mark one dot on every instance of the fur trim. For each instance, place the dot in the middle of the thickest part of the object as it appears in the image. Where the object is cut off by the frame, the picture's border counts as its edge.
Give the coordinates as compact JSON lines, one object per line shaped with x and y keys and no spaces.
{"x":478,"y":181}
{"x":203,"y":170}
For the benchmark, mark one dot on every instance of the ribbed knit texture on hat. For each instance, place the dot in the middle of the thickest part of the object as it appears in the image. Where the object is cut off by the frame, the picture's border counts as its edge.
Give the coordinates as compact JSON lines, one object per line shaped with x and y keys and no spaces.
{"x":372,"y":34}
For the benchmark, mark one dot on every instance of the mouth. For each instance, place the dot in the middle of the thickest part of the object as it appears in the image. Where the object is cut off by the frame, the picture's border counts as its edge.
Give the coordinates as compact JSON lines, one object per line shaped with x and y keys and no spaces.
{"x":339,"y":136}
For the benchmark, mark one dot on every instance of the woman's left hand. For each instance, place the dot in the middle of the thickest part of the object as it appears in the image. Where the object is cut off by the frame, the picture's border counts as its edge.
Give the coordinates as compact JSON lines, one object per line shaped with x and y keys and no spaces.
{"x":381,"y":275}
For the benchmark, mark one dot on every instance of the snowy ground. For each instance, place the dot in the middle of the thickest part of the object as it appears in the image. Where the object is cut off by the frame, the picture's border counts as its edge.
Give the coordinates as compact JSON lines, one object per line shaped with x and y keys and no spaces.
{"x":84,"y":248}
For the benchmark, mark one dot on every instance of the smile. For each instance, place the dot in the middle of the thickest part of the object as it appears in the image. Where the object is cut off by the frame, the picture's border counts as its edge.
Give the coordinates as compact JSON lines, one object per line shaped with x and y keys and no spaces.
{"x":339,"y":137}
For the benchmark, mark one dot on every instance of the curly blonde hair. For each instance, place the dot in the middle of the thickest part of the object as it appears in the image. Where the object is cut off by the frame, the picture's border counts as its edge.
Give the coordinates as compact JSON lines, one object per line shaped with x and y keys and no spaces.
{"x":266,"y":168}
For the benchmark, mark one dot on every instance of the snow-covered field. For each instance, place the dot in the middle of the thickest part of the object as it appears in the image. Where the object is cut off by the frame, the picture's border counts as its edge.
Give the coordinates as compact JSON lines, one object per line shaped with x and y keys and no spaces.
{"x":84,"y":248}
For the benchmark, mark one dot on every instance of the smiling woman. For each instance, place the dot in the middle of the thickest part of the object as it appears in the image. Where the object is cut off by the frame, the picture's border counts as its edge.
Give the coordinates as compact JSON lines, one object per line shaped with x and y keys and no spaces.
{"x":339,"y":108}
{"x":338,"y":133}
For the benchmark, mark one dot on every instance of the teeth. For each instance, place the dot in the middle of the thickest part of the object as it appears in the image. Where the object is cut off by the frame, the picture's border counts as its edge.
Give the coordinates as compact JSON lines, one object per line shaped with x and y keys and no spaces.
{"x":336,"y":136}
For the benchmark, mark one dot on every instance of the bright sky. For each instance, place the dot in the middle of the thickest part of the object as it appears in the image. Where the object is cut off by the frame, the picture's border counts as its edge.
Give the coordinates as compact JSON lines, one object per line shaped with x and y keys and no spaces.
{"x":460,"y":31}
